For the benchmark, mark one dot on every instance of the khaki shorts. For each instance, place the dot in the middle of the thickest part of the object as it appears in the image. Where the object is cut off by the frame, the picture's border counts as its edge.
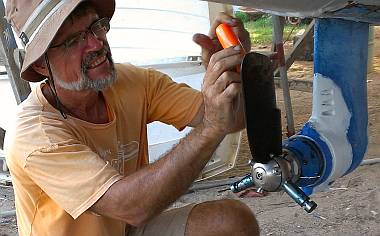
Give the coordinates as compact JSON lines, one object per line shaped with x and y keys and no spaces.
{"x":169,"y":223}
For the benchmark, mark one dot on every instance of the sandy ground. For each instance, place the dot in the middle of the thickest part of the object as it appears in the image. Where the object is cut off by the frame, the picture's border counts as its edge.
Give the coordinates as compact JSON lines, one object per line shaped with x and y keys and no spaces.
{"x":350,"y":207}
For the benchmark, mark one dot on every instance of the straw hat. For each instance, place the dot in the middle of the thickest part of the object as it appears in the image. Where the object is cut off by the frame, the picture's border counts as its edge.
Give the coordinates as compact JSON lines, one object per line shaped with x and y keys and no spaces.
{"x":37,"y":21}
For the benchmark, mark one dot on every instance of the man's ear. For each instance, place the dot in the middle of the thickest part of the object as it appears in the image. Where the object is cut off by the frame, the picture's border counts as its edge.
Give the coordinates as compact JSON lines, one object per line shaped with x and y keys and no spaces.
{"x":40,"y":67}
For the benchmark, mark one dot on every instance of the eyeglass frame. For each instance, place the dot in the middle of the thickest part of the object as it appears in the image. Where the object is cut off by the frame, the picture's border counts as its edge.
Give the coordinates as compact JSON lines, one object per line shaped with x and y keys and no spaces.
{"x":83,"y":34}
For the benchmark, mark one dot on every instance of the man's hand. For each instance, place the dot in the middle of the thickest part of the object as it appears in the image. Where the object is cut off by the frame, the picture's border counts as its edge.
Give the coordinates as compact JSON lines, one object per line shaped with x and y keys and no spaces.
{"x":210,"y":43}
{"x":222,"y":114}
{"x":222,"y":93}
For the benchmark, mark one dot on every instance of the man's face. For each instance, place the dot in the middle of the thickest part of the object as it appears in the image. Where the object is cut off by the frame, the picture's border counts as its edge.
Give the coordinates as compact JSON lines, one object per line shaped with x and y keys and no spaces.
{"x":81,"y":63}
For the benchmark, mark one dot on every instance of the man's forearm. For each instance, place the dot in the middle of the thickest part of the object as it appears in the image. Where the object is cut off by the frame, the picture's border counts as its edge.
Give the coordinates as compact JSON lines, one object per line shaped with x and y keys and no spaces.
{"x":148,"y":191}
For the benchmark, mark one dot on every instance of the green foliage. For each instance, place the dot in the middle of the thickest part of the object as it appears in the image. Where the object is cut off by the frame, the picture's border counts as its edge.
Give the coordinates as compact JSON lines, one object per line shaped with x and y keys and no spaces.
{"x":261,"y":30}
{"x":242,"y":16}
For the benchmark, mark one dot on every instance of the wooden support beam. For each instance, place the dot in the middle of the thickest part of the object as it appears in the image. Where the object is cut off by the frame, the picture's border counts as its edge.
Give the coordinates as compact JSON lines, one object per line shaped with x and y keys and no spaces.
{"x":281,"y":27}
{"x":297,"y":48}
{"x":297,"y":85}
{"x":21,"y":88}
{"x":3,"y":165}
{"x":278,"y":33}
{"x":2,"y":135}
{"x":5,"y":178}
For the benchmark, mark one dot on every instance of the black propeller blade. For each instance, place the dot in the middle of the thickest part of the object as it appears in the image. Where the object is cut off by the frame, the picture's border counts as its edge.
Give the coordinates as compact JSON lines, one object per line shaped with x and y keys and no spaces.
{"x":263,"y":119}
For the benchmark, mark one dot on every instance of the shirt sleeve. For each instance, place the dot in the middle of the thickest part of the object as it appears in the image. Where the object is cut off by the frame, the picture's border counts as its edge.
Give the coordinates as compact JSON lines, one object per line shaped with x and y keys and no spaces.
{"x":71,"y":174}
{"x":169,"y":102}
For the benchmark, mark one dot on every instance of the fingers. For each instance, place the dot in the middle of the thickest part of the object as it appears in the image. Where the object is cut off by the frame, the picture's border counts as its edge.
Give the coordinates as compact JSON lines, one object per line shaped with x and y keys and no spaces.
{"x":232,"y":90}
{"x":222,"y":61}
{"x":222,"y":18}
{"x":225,"y":80}
{"x":243,"y":35}
{"x":237,"y":27}
{"x":210,"y":43}
{"x":208,"y":46}
{"x":203,"y":40}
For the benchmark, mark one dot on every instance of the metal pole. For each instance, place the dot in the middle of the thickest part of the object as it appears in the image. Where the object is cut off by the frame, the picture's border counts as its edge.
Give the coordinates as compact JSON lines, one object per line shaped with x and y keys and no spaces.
{"x":278,"y":41}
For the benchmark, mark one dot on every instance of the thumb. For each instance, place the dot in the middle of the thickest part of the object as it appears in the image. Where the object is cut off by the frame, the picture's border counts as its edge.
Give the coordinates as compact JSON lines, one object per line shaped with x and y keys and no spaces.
{"x":204,"y":41}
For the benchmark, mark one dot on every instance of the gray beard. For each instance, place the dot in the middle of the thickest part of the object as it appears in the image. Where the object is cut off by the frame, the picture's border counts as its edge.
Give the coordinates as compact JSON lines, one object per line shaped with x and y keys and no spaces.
{"x":85,"y":83}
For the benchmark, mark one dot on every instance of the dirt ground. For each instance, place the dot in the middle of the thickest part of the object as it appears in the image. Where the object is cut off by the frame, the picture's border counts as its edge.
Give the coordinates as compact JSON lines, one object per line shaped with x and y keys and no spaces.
{"x":350,"y":207}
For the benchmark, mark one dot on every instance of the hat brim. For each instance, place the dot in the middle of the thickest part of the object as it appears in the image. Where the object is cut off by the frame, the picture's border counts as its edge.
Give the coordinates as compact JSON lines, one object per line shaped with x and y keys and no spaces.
{"x":49,"y":29}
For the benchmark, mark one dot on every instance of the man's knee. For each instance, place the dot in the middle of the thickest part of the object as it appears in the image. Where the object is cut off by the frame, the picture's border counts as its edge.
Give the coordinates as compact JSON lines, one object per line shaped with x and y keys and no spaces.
{"x":222,"y":217}
{"x":241,"y":219}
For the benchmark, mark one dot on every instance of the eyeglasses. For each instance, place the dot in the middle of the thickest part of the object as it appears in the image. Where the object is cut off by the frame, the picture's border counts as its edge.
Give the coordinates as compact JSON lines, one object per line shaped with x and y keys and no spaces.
{"x":99,"y":29}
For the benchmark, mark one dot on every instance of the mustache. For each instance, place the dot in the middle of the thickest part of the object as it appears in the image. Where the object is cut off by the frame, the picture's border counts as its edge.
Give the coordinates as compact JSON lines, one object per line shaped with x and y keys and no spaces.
{"x":92,"y":55}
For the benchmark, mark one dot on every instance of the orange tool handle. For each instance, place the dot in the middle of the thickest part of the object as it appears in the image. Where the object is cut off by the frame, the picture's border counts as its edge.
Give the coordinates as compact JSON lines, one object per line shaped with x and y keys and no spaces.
{"x":227,"y":37}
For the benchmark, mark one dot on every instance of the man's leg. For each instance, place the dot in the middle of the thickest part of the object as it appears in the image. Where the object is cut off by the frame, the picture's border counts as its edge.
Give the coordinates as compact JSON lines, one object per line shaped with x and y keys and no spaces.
{"x":221,"y":217}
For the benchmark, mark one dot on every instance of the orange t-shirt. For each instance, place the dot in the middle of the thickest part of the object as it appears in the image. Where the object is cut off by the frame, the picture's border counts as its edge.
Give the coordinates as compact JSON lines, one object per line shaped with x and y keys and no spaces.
{"x":60,"y":168}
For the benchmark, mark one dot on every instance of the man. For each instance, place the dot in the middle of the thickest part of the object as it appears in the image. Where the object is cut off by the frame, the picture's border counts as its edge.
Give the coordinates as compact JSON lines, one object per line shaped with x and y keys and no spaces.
{"x":78,"y":154}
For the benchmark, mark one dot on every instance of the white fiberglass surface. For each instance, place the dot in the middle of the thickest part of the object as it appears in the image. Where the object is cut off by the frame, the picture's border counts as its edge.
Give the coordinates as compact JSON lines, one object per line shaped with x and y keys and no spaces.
{"x":331,"y":119}
{"x":304,"y":8}
{"x":151,"y":31}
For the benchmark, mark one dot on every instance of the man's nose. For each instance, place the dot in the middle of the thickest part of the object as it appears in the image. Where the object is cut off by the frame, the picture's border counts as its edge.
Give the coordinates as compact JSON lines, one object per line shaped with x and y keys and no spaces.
{"x":94,"y":42}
